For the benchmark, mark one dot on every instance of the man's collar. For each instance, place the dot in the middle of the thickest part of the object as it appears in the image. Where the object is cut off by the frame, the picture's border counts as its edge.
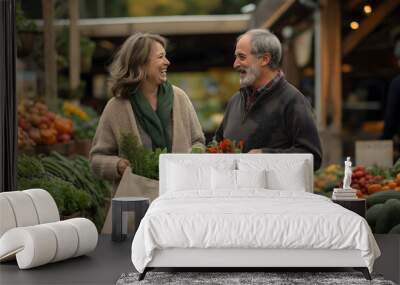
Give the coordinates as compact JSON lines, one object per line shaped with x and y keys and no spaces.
{"x":266,"y":87}
{"x":272,"y":82}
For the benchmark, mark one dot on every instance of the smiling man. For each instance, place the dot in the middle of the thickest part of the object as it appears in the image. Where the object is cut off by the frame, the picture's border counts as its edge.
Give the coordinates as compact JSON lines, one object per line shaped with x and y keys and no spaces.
{"x":268,"y":113}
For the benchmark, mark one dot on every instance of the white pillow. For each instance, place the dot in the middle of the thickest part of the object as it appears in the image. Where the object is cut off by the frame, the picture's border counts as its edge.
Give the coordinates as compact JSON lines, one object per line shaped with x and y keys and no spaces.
{"x":194,"y":174}
{"x":236,"y":179}
{"x":279,"y":180}
{"x":223,"y":179}
{"x":185,"y":177}
{"x":281,"y":174}
{"x":251,"y":178}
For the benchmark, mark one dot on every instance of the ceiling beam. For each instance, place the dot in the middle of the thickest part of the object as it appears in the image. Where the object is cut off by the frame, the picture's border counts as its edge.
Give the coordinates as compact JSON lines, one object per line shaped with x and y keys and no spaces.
{"x":164,"y":25}
{"x":277,"y":14}
{"x":368,"y":25}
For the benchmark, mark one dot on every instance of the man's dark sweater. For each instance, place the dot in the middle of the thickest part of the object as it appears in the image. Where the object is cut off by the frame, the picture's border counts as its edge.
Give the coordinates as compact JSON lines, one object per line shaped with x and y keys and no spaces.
{"x":280,"y":121}
{"x":392,"y":112}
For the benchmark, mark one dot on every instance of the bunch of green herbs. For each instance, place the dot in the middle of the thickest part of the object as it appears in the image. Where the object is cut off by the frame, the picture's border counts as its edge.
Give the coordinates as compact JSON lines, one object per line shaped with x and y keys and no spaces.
{"x":143,"y":162}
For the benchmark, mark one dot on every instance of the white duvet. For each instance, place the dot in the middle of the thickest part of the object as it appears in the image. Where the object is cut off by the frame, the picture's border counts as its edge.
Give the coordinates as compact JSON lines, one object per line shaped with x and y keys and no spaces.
{"x":252,"y":218}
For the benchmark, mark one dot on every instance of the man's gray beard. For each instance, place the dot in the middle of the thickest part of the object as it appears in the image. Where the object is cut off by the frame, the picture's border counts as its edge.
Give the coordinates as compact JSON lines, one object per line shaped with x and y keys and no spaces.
{"x":252,"y":74}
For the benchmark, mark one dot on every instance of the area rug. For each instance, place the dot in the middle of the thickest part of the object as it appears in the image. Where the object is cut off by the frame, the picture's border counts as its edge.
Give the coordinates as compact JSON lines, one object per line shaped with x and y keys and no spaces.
{"x":243,"y":278}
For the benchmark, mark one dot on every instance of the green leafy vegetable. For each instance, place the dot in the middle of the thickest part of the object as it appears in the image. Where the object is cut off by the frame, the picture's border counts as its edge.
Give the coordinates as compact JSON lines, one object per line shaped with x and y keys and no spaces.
{"x":144,"y":162}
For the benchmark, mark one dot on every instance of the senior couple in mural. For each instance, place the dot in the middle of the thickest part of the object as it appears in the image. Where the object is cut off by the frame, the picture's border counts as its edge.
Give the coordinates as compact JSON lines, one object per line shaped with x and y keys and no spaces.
{"x":268,"y":113}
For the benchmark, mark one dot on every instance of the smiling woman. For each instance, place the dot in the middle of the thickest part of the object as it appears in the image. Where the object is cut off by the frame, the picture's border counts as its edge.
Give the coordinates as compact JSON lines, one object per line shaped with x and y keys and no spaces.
{"x":144,"y":104}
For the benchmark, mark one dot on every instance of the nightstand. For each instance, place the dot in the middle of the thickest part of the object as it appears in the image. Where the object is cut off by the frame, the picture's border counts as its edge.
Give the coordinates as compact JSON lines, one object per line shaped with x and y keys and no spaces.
{"x":357,"y":206}
{"x":138,"y":205}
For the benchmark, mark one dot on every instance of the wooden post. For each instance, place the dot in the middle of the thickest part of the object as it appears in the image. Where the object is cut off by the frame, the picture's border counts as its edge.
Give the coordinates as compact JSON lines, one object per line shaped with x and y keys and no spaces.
{"x":330,"y":63}
{"x":50,"y":64}
{"x":328,"y":80}
{"x":335,"y":66}
{"x":74,"y":46}
{"x":289,"y":66}
{"x":319,"y":105}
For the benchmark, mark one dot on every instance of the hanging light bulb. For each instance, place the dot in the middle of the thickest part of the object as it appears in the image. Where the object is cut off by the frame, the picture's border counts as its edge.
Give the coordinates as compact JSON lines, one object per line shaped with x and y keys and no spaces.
{"x":354,"y":25}
{"x":367,"y":9}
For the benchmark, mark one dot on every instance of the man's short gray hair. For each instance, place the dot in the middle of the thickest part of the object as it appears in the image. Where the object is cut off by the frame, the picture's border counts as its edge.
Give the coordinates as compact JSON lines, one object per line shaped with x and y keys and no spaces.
{"x":262,"y":42}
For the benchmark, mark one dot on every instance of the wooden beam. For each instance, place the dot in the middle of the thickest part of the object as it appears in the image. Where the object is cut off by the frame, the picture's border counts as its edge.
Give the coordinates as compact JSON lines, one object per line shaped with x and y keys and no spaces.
{"x":289,"y":66}
{"x":50,"y":64}
{"x":330,"y":64}
{"x":324,"y":71}
{"x":335,"y":66}
{"x":74,"y":46}
{"x":164,"y":25}
{"x":368,"y":25}
{"x":277,"y":14}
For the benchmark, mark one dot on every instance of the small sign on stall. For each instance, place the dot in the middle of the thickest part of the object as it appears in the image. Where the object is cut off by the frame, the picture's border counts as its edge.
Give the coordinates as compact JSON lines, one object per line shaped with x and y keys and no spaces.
{"x":378,"y":152}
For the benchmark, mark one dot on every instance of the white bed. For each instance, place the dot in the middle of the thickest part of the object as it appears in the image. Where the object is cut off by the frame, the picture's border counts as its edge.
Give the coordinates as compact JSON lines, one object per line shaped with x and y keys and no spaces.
{"x":247,"y":210}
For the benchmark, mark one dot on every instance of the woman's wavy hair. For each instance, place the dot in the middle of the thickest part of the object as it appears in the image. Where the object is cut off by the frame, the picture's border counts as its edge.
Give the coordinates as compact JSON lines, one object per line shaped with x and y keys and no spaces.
{"x":127,"y":69}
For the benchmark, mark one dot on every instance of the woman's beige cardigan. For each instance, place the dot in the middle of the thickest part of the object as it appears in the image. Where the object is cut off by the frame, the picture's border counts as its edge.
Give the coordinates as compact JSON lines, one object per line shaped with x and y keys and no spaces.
{"x":118,"y":117}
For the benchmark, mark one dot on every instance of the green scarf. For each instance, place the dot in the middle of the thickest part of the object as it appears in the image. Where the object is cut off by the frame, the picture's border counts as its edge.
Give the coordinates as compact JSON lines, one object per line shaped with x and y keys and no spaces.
{"x":157,"y":124}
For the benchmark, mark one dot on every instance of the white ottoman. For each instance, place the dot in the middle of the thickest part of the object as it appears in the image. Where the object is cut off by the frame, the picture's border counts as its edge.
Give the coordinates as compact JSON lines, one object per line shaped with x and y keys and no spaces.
{"x":31,"y":230}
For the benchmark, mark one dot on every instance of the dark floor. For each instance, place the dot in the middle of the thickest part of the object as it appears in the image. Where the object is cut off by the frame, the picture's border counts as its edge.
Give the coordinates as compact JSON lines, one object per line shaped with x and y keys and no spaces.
{"x":110,"y":259}
{"x":102,"y":266}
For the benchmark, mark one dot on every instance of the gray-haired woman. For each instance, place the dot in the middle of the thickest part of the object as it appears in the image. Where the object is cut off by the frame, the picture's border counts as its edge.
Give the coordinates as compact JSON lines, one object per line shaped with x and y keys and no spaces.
{"x":144,"y":103}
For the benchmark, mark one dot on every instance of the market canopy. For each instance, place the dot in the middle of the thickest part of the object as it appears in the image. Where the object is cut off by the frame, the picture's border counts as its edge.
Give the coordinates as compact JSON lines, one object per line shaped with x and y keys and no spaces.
{"x":165,"y":25}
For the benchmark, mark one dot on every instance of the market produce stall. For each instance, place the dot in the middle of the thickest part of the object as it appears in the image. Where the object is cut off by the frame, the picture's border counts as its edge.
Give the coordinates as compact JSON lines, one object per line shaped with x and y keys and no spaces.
{"x":378,"y":185}
{"x":53,"y":155}
{"x":69,"y":131}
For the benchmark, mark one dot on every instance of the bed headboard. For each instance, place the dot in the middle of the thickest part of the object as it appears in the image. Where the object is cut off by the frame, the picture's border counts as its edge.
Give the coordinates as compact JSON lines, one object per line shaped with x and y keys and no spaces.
{"x":306,"y":160}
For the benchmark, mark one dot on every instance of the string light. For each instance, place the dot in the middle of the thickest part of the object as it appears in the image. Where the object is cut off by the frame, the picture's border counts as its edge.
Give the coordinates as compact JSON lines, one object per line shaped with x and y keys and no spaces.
{"x":367,"y":9}
{"x":354,"y":25}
